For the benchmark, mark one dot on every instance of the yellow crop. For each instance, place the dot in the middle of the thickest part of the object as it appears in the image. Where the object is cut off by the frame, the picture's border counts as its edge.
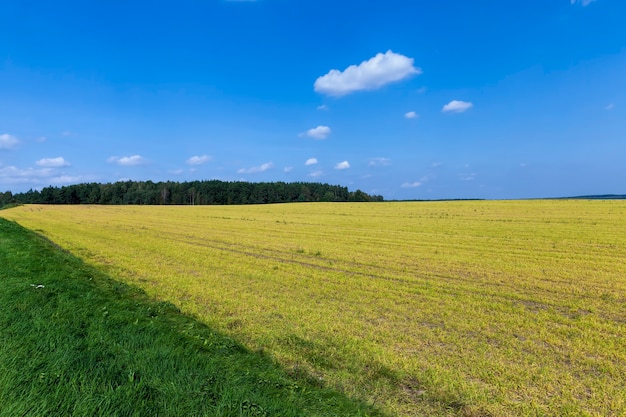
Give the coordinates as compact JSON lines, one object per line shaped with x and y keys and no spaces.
{"x":502,"y":308}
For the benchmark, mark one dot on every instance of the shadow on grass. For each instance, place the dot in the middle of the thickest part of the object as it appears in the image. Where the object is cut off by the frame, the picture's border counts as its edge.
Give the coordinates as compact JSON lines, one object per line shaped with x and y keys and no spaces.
{"x":73,"y":341}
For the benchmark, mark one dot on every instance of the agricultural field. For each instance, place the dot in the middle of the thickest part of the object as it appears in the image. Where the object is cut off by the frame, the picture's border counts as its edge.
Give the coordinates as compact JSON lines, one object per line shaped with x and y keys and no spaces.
{"x":470,"y":308}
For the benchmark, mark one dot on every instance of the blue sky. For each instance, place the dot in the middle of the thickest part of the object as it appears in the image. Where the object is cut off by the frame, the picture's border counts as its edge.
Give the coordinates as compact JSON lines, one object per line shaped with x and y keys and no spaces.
{"x":404,"y":98}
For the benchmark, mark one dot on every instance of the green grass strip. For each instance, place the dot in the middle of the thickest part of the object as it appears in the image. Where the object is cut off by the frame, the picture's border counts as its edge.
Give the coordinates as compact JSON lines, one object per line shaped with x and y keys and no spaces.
{"x":75,"y":342}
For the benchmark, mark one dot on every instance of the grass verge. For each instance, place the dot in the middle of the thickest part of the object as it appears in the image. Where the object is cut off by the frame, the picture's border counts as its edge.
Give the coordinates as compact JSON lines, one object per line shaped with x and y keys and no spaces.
{"x":74,"y":342}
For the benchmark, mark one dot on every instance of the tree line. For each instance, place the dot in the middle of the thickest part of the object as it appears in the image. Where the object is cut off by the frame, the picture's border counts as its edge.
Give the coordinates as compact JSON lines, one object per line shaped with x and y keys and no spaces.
{"x":191,"y":193}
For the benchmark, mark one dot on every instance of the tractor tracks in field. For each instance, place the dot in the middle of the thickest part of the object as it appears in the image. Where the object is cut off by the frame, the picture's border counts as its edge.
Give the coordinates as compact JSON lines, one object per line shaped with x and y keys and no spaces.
{"x":455,"y":282}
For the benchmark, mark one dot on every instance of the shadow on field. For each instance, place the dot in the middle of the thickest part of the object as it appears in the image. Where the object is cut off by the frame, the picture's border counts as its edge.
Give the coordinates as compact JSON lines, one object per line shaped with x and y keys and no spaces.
{"x":73,"y":341}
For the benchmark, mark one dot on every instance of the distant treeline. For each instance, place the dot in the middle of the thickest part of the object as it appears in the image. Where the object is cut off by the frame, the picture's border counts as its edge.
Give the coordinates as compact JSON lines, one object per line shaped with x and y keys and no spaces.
{"x":597,"y":197}
{"x":192,"y":193}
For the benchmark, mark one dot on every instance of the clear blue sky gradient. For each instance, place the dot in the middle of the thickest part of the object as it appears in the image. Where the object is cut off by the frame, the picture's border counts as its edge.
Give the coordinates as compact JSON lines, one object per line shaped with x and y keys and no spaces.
{"x":108,"y":90}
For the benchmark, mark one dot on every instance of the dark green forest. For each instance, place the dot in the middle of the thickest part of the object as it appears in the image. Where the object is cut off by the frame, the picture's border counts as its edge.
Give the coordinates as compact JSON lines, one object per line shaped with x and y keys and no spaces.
{"x":187,"y":193}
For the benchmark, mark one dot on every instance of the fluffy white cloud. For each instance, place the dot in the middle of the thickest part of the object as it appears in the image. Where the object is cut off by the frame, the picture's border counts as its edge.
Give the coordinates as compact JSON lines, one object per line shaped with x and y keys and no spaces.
{"x":583,"y":2}
{"x":52,"y":162}
{"x":411,"y":115}
{"x":372,"y":74}
{"x":457,"y":106}
{"x":379,"y":162}
{"x":342,"y":165}
{"x":8,"y":141}
{"x":255,"y":170}
{"x":414,"y":184}
{"x":198,"y":160}
{"x":311,"y":161}
{"x":127,"y":160}
{"x":316,"y":174}
{"x":287,"y":169}
{"x":317,"y":133}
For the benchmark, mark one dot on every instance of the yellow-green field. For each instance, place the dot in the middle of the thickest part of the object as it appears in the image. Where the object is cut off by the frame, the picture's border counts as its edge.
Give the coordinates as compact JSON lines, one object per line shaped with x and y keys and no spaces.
{"x":513,"y":308}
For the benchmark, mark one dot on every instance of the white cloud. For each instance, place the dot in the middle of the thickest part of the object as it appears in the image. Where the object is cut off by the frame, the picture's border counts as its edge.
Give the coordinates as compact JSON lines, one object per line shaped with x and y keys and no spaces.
{"x":436,"y":164}
{"x":583,"y":2}
{"x":457,"y":106}
{"x":379,"y":162}
{"x":52,"y":162}
{"x":65,"y":179}
{"x":176,"y":171}
{"x":414,"y":184}
{"x":254,"y":170}
{"x":199,"y":160}
{"x":317,"y":133}
{"x":316,"y":174}
{"x":42,"y":139}
{"x":127,"y":160}
{"x":610,"y":106}
{"x":311,"y":161}
{"x":322,"y":107}
{"x":287,"y":169}
{"x":8,"y":141}
{"x":411,"y":115}
{"x":14,"y":175}
{"x":372,"y":74}
{"x":468,"y":177}
{"x":342,"y":165}
{"x":422,"y":90}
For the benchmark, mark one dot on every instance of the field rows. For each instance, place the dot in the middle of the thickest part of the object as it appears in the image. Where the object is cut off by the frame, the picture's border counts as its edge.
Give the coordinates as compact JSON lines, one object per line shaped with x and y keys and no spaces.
{"x":451,"y":308}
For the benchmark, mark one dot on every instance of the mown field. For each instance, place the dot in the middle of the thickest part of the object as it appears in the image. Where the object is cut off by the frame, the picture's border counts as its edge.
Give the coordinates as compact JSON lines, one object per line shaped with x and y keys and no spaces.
{"x":483,"y":308}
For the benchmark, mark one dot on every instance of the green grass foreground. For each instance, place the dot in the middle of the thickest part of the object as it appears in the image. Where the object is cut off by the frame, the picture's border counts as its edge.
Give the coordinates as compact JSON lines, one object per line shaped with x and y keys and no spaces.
{"x":74,"y":342}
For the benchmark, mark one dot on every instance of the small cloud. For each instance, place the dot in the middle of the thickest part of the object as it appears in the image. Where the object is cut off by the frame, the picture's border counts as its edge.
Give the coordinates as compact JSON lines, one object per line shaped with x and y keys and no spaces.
{"x":372,"y":74}
{"x":14,"y":175}
{"x":52,"y":162}
{"x":42,"y":139}
{"x":436,"y":164}
{"x":610,"y":106}
{"x":287,"y":170}
{"x":457,"y":106}
{"x":411,"y":115}
{"x":311,"y":161}
{"x":585,"y":3}
{"x":257,"y":169}
{"x":317,"y":133}
{"x":66,"y":134}
{"x":342,"y":165}
{"x":8,"y":141}
{"x":127,"y":161}
{"x":414,"y":184}
{"x":422,"y":90}
{"x":316,"y":174}
{"x":65,"y":179}
{"x":199,"y":160}
{"x":322,"y":107}
{"x":176,"y":171}
{"x":467,"y":177}
{"x":379,"y":162}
